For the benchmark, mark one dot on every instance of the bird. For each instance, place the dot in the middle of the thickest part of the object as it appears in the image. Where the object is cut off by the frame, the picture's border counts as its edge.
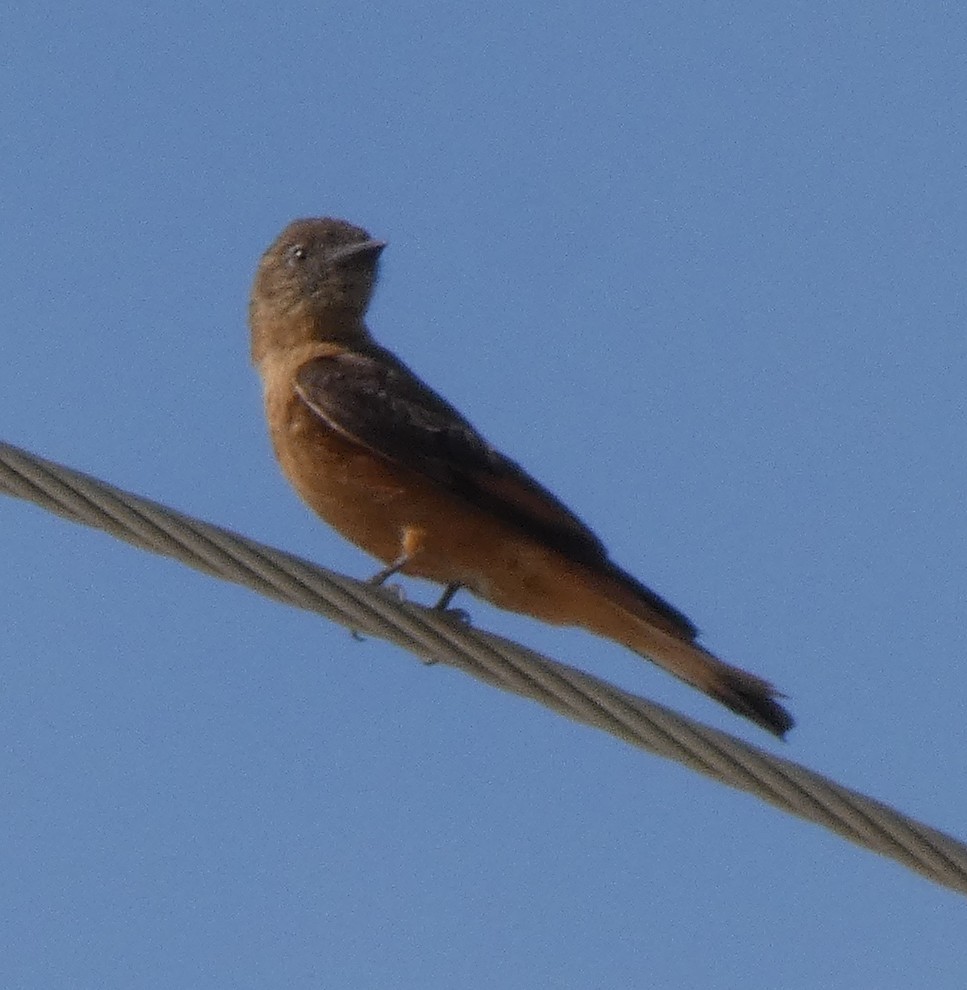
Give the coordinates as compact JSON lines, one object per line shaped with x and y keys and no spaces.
{"x":398,"y":471}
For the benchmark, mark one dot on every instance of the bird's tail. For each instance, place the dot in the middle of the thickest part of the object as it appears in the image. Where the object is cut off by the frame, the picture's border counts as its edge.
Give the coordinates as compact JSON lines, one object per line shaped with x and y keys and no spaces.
{"x":633,"y":621}
{"x":733,"y":687}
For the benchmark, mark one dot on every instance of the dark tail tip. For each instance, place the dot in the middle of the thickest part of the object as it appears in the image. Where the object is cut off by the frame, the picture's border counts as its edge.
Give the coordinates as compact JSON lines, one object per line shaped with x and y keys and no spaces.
{"x":757,"y":702}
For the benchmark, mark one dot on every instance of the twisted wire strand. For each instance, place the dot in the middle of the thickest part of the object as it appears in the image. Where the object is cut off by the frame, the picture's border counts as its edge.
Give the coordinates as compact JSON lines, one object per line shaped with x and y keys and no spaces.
{"x":440,"y":637}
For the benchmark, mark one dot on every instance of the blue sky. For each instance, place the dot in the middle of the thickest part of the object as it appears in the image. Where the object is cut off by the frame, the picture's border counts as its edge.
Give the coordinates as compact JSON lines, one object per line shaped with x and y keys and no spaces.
{"x":702,"y":272}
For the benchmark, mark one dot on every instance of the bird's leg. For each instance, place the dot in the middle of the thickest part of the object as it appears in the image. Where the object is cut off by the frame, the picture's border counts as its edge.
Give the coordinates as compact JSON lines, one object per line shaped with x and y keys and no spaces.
{"x":448,"y":592}
{"x":387,"y":572}
{"x":410,"y":546}
{"x":458,"y":615}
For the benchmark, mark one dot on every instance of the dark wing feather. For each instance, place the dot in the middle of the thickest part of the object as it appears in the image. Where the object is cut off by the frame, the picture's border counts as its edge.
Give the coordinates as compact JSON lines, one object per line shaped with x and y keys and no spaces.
{"x":374,"y":400}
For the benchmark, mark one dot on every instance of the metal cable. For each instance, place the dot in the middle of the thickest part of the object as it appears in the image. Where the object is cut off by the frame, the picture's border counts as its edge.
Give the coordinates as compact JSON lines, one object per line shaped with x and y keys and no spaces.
{"x":441,"y":637}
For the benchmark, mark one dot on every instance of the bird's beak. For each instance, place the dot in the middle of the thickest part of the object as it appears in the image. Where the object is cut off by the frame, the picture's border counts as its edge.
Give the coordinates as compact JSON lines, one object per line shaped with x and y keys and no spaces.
{"x":366,"y":249}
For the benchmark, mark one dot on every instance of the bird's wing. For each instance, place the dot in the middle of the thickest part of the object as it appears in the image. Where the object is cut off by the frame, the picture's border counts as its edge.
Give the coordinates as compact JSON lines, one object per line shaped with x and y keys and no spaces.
{"x":374,"y":400}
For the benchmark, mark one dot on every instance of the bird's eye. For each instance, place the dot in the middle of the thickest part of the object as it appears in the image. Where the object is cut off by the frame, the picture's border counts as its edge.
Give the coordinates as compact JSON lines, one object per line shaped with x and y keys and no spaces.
{"x":295,"y":254}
